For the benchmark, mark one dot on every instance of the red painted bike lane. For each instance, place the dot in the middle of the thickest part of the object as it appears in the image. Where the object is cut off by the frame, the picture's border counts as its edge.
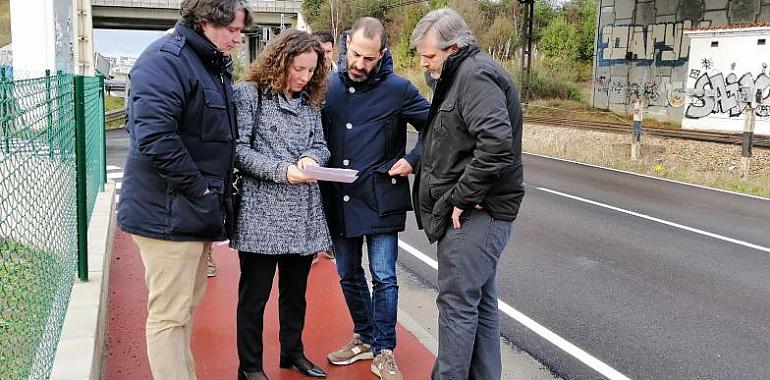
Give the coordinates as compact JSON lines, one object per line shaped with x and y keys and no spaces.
{"x":327,"y":326}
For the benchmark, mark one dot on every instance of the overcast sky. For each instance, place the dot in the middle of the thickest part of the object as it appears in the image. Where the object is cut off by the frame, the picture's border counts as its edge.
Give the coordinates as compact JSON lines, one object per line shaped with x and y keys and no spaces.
{"x":114,"y":42}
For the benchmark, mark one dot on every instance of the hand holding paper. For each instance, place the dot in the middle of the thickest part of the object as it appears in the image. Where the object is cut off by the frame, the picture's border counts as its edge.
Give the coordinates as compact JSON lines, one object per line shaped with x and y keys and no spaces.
{"x":331,"y":174}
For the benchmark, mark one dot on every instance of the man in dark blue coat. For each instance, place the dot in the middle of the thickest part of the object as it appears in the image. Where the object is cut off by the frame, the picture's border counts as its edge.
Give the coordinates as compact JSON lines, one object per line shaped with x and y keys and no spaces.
{"x":365,"y":119}
{"x":181,"y":123}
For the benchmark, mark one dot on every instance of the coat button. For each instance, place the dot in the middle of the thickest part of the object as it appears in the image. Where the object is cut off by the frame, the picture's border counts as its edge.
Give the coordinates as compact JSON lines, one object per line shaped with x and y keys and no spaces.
{"x":393,"y":181}
{"x":346,"y":198}
{"x":346,"y":162}
{"x":352,"y":90}
{"x":349,"y":126}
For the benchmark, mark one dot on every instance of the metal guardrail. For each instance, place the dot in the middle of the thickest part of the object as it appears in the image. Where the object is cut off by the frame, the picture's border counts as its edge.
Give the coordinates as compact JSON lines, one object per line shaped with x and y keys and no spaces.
{"x":267,"y":6}
{"x":717,"y":137}
{"x":114,"y":115}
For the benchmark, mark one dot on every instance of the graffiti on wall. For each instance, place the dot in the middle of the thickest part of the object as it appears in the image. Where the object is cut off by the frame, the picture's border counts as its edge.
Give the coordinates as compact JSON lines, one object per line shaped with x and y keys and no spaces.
{"x":728,"y":95}
{"x":664,"y":44}
{"x":648,"y":90}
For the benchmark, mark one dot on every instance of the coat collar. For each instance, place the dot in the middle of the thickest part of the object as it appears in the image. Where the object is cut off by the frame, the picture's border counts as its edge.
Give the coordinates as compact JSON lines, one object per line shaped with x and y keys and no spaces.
{"x":380,"y":73}
{"x":283,"y":103}
{"x":212,"y":57}
{"x":448,"y":73}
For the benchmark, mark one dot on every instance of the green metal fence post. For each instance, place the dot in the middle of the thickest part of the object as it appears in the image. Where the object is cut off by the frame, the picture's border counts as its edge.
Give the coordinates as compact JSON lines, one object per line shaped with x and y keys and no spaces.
{"x":80,"y":164}
{"x":48,"y":114}
{"x":5,"y":113}
{"x":104,"y":132}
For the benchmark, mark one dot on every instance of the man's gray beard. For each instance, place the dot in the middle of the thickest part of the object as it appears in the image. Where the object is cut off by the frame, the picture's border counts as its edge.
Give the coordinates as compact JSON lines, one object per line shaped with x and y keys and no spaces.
{"x":357,"y":80}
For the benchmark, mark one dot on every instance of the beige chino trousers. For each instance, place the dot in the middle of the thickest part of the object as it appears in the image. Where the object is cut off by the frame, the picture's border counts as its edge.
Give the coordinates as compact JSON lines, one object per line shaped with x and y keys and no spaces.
{"x":175,"y":274}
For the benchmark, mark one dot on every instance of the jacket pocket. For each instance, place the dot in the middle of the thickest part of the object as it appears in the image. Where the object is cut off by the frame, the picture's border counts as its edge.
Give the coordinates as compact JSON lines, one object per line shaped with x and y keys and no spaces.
{"x":215,"y":120}
{"x":200,"y":216}
{"x":391,"y":194}
{"x":440,"y":215}
{"x":444,"y":120}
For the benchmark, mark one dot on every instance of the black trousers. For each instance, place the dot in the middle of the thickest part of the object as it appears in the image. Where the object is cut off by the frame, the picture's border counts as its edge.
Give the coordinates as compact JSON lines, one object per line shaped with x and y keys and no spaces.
{"x":257,"y":272}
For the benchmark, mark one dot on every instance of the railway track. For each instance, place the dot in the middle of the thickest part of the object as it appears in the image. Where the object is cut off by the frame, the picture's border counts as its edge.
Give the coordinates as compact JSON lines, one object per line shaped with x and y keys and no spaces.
{"x":717,"y":137}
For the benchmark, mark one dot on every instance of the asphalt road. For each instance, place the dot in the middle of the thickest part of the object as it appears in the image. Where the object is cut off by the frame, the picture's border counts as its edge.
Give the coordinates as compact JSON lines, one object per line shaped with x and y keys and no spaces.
{"x":654,"y":279}
{"x":651,"y":279}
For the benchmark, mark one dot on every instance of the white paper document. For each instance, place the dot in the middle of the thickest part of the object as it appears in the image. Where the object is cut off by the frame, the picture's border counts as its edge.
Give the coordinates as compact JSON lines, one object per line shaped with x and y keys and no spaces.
{"x":331,"y":174}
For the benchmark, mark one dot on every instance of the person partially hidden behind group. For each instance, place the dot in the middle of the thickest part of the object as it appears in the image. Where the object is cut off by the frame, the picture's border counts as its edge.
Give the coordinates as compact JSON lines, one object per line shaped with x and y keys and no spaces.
{"x":281,"y":222}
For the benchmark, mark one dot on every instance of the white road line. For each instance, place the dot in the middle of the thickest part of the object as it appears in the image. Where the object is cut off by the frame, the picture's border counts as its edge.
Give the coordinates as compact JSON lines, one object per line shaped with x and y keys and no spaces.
{"x":117,"y":175}
{"x":118,"y":185}
{"x":658,"y":220}
{"x":416,"y":253}
{"x":587,"y":359}
{"x":113,"y":167}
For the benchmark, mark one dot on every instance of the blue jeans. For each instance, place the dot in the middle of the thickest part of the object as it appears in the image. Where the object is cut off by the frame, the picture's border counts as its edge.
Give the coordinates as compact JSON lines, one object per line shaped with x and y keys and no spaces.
{"x":374,"y":314}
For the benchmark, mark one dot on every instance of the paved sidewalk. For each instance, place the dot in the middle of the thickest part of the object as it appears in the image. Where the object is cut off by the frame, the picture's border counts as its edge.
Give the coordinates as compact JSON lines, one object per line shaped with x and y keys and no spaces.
{"x":327,"y":326}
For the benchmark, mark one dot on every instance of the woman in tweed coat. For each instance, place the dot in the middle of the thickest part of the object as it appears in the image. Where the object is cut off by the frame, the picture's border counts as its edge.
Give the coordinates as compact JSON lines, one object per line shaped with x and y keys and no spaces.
{"x":281,"y":222}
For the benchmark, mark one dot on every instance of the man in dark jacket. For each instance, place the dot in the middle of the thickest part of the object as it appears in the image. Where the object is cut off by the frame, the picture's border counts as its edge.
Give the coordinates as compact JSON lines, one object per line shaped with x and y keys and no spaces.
{"x":467,"y":190}
{"x":181,"y":123}
{"x":367,"y":109}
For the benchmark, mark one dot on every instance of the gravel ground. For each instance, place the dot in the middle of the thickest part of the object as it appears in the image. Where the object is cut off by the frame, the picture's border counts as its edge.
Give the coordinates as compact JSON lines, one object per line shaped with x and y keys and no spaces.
{"x":704,"y":163}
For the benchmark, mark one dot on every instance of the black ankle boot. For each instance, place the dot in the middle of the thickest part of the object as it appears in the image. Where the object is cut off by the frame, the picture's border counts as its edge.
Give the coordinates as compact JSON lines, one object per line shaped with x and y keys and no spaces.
{"x":256,"y":375}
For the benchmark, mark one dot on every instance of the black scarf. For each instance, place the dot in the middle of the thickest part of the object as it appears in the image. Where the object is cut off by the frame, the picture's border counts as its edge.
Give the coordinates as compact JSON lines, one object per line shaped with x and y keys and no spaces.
{"x":448,"y":73}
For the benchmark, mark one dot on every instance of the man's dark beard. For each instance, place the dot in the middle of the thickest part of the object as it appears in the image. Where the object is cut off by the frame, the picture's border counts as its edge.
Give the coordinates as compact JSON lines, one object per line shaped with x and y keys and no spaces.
{"x":363,"y":78}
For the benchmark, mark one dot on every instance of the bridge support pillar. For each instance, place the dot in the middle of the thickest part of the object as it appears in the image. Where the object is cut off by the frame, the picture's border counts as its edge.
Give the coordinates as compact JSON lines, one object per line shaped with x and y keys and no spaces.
{"x":51,"y":35}
{"x":42,"y":36}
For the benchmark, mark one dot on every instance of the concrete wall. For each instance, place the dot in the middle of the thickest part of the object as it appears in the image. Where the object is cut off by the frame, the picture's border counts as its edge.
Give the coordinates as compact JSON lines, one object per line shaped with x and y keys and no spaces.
{"x":728,"y":68}
{"x":43,"y":37}
{"x":642,"y":49}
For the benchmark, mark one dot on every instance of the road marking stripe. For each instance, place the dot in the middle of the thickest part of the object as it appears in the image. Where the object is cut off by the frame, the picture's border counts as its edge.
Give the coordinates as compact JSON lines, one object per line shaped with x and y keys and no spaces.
{"x":113,"y":167}
{"x":117,"y":175}
{"x":118,"y":185}
{"x":587,"y":359}
{"x":658,"y":220}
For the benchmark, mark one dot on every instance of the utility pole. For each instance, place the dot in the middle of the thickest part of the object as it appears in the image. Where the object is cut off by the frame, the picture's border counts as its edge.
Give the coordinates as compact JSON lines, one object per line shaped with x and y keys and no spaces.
{"x":526,"y":48}
{"x":748,"y":140}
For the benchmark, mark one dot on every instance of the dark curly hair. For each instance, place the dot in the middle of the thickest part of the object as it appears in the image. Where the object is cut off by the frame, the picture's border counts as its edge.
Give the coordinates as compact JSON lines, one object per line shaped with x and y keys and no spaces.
{"x":272,"y":66}
{"x":218,"y":12}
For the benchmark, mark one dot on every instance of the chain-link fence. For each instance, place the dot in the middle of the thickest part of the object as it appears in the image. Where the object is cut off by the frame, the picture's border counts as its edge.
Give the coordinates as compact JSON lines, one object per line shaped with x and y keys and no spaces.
{"x":51,"y":168}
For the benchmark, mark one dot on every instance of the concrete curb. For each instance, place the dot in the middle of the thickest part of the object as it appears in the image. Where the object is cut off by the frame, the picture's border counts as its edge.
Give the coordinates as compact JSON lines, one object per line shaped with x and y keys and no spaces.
{"x":82,"y":341}
{"x":419,"y":332}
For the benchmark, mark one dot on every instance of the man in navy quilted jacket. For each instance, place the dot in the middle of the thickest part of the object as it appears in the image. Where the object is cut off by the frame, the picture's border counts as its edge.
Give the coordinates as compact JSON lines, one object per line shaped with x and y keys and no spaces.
{"x":174,"y":199}
{"x":365,"y":120}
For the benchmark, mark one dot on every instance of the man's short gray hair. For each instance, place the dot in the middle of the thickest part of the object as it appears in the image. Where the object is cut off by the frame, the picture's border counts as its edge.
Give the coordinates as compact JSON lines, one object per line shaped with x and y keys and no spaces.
{"x":447,"y":26}
{"x":217,"y":12}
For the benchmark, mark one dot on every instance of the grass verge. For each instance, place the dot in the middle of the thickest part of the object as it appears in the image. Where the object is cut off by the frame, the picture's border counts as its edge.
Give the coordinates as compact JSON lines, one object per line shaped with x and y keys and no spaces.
{"x":26,"y":296}
{"x":702,"y":163}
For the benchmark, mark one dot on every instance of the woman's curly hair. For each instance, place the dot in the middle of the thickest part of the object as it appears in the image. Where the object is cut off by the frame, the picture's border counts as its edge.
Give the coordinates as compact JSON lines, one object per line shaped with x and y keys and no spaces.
{"x":272,"y":66}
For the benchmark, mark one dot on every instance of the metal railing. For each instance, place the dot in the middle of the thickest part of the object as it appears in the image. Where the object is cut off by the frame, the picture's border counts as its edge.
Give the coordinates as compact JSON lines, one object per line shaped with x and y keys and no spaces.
{"x":52,"y":165}
{"x":267,"y":6}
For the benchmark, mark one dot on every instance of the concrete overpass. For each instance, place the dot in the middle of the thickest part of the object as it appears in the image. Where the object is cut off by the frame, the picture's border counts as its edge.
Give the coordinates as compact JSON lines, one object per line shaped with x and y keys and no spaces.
{"x":63,"y":38}
{"x":162,"y":14}
{"x":269,"y":17}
